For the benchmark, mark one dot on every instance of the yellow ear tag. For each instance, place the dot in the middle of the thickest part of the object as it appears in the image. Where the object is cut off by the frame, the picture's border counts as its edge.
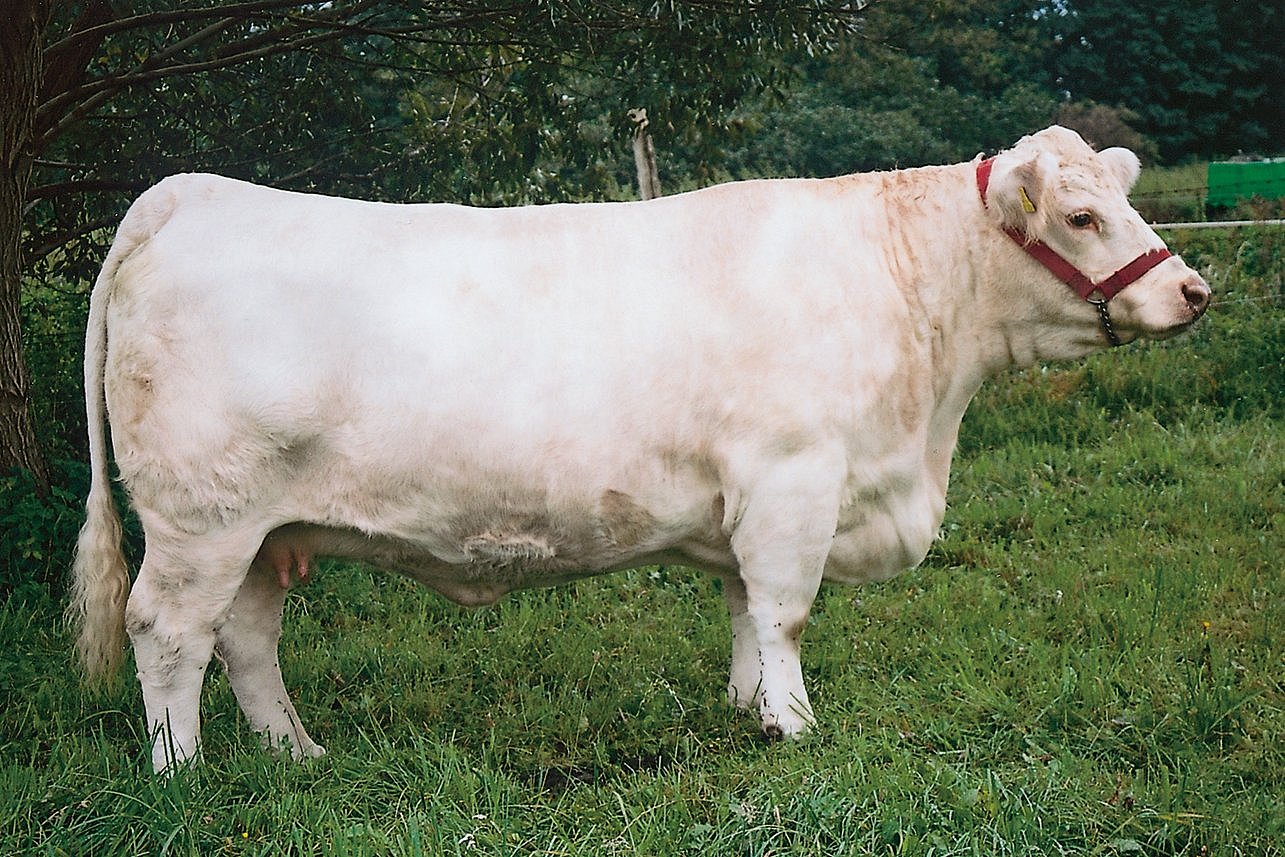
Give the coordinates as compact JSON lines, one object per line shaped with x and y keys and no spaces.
{"x":1027,"y":205}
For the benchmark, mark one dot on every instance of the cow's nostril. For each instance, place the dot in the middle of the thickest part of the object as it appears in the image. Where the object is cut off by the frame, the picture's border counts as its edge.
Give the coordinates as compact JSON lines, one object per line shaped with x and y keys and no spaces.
{"x":1197,"y":295}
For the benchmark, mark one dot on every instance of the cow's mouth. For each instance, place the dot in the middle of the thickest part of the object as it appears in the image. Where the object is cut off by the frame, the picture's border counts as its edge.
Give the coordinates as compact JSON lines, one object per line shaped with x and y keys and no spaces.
{"x":1169,"y":332}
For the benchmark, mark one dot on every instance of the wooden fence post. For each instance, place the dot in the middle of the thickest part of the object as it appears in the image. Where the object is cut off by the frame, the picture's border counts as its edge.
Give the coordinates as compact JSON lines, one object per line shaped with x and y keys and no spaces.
{"x":644,"y":156}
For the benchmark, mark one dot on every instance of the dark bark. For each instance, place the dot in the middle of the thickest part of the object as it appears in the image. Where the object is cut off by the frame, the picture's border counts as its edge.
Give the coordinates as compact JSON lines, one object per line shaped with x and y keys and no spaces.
{"x":21,"y":70}
{"x":66,"y":61}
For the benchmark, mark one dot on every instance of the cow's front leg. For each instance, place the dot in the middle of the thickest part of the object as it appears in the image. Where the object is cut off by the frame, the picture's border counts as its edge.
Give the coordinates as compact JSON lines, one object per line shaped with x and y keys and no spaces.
{"x":746,"y":677}
{"x":781,"y":542}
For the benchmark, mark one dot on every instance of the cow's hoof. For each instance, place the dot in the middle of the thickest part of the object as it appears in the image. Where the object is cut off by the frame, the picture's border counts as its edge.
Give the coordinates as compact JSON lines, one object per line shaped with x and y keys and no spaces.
{"x":741,"y":701}
{"x":772,"y":733}
{"x":307,"y":751}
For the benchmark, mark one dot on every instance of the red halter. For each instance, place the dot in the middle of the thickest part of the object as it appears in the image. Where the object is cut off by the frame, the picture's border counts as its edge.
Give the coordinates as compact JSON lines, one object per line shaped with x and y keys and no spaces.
{"x":1068,"y":273}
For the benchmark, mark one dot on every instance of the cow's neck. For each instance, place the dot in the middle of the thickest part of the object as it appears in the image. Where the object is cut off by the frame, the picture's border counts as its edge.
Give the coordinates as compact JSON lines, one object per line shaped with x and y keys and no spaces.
{"x":966,"y":284}
{"x":943,"y":251}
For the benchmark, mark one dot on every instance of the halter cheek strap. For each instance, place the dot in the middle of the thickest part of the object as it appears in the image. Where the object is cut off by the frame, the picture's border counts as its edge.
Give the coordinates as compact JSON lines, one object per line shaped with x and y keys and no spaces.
{"x":1059,"y":267}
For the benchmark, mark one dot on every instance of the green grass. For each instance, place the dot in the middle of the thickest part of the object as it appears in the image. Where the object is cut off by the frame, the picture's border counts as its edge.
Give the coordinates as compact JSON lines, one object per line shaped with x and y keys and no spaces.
{"x":1089,"y":662}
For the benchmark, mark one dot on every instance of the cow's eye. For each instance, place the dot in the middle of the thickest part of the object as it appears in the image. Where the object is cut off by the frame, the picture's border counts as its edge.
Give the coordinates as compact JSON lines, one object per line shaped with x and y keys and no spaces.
{"x":1081,"y":220}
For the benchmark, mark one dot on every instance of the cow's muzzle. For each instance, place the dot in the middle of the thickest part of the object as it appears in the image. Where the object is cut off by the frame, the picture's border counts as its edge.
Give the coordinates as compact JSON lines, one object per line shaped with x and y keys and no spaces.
{"x":1197,"y":294}
{"x":1196,"y":297}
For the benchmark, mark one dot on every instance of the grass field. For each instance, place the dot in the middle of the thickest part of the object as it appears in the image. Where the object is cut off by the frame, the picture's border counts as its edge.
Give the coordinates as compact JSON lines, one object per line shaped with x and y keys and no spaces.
{"x":1089,"y":662}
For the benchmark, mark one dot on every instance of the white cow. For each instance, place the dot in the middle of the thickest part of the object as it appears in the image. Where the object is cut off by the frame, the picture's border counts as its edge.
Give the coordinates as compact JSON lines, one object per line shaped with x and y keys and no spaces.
{"x":763,"y":379}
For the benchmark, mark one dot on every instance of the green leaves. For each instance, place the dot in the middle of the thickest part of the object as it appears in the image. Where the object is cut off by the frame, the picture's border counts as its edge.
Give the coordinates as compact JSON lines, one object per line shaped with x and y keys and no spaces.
{"x":1203,"y":77}
{"x":924,"y":82}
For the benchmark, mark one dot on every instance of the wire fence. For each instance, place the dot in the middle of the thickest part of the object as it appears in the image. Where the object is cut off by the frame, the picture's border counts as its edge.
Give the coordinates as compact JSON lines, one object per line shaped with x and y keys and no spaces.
{"x":1262,"y":187}
{"x":1217,"y":224}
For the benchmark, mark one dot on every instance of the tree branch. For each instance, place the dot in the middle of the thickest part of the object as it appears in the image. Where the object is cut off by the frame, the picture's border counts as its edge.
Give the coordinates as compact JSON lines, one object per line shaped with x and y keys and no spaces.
{"x":49,"y":191}
{"x":178,"y":16}
{"x":62,"y":239}
{"x":109,"y":88}
{"x":66,"y":61}
{"x":311,"y":26}
{"x":74,"y":103}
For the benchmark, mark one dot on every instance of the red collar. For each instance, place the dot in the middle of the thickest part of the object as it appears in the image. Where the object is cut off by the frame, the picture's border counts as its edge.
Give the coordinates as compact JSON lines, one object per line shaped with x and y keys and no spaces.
{"x":1064,"y":270}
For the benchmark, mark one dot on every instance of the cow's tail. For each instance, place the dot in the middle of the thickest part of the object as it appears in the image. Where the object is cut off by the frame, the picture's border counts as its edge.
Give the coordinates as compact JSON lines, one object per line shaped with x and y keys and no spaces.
{"x":99,"y":584}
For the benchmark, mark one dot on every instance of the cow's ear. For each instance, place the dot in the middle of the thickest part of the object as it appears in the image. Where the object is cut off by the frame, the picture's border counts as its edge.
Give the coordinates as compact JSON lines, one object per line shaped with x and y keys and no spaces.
{"x":1123,"y":164}
{"x":1017,"y":187}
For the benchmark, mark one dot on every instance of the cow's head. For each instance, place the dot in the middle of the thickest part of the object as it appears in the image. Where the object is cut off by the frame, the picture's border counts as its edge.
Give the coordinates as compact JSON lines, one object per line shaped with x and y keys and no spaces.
{"x":1067,"y":206}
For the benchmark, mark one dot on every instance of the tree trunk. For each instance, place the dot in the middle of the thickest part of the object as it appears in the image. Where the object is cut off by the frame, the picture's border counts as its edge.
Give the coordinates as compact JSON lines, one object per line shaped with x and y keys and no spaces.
{"x":21,"y":34}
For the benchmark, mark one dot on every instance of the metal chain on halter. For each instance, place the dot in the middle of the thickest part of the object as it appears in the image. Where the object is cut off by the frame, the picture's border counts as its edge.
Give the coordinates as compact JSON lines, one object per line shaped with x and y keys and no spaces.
{"x":1105,"y":316}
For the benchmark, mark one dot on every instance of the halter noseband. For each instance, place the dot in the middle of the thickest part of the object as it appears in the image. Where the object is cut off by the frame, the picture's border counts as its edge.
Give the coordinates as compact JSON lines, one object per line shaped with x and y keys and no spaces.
{"x":1067,"y":272}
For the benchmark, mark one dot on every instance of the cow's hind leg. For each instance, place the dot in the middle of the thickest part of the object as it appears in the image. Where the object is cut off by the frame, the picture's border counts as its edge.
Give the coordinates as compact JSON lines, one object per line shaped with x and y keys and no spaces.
{"x":247,"y":646}
{"x":182,"y":594}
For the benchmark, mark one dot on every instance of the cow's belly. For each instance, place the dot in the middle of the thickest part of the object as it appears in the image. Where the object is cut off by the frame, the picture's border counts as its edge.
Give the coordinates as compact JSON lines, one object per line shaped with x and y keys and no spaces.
{"x":476,"y":572}
{"x":477,"y":555}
